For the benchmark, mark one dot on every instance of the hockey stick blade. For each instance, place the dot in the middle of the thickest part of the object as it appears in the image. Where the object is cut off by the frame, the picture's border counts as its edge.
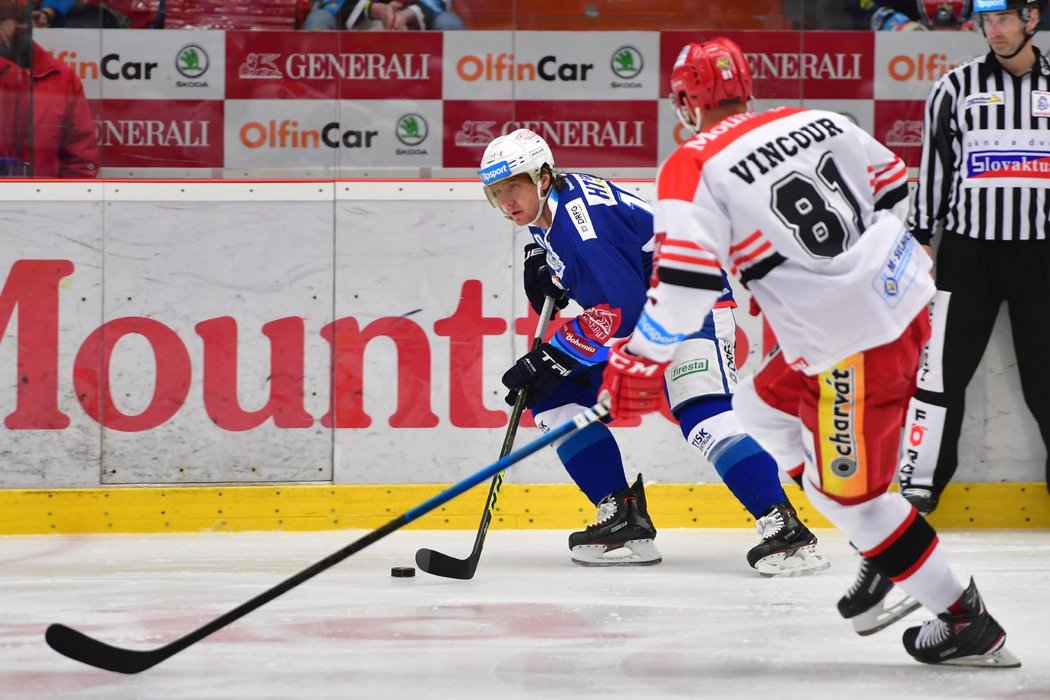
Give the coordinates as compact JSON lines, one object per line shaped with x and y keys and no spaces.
{"x":438,"y":564}
{"x":80,"y":647}
{"x":77,"y":645}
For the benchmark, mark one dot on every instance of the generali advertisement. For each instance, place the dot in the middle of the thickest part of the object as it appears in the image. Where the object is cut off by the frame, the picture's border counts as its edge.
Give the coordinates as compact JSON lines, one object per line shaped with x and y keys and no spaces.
{"x":325,"y":102}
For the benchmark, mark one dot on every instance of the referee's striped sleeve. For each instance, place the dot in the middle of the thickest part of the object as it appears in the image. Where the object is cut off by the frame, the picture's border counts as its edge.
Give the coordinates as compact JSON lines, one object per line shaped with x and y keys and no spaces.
{"x":939,"y":152}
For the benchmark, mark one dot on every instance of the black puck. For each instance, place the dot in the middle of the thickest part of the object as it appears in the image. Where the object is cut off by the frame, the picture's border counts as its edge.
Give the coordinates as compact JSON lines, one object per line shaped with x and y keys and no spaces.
{"x":403,"y":571}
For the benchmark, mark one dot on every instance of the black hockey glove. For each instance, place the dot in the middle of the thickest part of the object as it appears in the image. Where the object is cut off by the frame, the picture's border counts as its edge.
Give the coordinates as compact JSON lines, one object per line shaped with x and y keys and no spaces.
{"x":539,"y":283}
{"x":539,"y":373}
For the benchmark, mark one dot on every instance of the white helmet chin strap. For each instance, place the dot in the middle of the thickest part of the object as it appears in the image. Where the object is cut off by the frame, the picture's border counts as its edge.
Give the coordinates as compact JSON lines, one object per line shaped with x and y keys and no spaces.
{"x":542,"y":198}
{"x":683,"y":116}
{"x":693,"y":121}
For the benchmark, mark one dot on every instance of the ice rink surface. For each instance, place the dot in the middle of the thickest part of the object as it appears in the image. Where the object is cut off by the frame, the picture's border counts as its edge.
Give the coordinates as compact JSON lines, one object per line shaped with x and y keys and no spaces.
{"x":529,"y":625}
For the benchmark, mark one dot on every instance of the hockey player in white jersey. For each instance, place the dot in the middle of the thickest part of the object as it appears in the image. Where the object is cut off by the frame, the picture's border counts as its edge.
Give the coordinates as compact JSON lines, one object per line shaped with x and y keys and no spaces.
{"x":805,"y":208}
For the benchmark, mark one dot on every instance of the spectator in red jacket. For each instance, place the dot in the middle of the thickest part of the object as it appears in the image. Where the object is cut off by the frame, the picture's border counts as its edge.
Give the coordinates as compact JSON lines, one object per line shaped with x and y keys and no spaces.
{"x":46,"y":129}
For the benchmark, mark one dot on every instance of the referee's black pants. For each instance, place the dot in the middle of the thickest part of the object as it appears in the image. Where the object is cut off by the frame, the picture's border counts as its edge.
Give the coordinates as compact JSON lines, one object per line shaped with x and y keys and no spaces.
{"x":979,"y":276}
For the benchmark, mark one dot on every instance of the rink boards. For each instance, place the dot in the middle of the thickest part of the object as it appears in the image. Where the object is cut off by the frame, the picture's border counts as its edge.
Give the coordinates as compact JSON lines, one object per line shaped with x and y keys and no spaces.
{"x":339,"y":337}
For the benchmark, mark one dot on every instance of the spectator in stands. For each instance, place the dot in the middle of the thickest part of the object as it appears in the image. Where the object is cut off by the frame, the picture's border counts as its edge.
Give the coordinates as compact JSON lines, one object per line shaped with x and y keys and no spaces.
{"x":52,"y":13}
{"x":390,"y":15}
{"x":80,"y":15}
{"x":46,"y":129}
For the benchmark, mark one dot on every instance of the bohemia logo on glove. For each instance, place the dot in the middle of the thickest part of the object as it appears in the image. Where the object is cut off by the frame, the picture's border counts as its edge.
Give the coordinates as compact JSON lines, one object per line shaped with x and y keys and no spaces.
{"x":635,"y":384}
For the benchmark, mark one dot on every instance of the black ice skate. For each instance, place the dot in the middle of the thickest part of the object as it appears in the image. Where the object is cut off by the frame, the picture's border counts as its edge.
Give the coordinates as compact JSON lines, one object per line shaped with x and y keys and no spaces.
{"x":924,"y":498}
{"x":623,"y":534}
{"x":971,"y":638}
{"x":787,"y":548}
{"x":866,"y":603}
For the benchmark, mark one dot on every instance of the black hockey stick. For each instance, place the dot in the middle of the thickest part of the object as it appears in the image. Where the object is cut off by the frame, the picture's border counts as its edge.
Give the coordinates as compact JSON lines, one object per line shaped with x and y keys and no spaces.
{"x":80,"y":647}
{"x":434,"y":562}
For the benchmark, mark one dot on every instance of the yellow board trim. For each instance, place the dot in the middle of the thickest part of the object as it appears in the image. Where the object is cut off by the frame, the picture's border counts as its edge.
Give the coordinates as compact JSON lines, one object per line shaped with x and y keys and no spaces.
{"x":520,"y":506}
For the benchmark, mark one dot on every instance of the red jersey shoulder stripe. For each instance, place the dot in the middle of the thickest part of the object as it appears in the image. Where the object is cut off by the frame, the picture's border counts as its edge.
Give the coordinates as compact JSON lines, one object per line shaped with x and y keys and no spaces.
{"x":679,"y":176}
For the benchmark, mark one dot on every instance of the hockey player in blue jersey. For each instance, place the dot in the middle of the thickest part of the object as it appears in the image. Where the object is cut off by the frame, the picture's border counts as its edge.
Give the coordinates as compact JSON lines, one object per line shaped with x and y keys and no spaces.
{"x":593,"y":243}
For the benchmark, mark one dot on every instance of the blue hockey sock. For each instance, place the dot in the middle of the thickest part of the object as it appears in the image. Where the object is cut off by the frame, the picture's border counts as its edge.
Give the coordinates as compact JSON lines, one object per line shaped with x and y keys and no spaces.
{"x":752,"y":476}
{"x":592,"y":458}
{"x":748,"y":470}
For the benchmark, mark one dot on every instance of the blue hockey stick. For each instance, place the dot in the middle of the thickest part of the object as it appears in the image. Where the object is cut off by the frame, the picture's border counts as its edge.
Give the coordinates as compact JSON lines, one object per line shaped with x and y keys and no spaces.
{"x":80,"y":647}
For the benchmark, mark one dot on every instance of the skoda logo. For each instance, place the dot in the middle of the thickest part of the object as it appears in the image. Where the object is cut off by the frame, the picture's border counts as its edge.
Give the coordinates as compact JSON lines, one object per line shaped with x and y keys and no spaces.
{"x":412,"y":129}
{"x":191,"y":61}
{"x":626,"y":62}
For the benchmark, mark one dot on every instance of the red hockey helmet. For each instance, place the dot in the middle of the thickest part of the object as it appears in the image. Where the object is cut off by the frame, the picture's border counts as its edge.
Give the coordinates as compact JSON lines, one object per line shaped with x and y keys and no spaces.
{"x":707,"y":75}
{"x":944,"y":14}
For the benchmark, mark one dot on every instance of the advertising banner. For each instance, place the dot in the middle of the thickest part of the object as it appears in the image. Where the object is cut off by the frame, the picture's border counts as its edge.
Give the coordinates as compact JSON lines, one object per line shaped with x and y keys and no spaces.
{"x":333,"y":65}
{"x":142,"y":64}
{"x":325,"y":135}
{"x":607,"y":66}
{"x":792,"y":65}
{"x":898,"y":124}
{"x":135,"y":134}
{"x":906,"y":69}
{"x":620,"y":134}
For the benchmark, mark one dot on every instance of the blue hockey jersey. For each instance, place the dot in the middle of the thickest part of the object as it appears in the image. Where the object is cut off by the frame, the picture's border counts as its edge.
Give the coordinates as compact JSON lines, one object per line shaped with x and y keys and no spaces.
{"x":600,"y":246}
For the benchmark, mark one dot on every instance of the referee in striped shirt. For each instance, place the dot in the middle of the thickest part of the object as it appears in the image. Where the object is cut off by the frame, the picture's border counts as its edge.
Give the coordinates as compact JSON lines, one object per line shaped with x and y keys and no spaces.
{"x":984,"y":188}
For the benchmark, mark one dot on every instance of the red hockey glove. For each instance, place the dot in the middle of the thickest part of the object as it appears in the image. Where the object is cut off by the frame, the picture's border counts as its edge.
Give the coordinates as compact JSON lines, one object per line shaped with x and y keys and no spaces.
{"x":635,"y":384}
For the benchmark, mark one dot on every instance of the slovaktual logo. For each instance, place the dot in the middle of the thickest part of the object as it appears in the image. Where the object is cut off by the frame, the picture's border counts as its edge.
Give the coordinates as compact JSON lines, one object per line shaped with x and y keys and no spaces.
{"x":626,"y":64}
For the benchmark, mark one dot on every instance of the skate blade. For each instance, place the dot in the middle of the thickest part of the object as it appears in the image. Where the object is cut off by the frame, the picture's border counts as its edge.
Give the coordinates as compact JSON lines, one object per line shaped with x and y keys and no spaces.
{"x":630,"y":553}
{"x":882,"y":616}
{"x":802,"y":562}
{"x":999,"y":658}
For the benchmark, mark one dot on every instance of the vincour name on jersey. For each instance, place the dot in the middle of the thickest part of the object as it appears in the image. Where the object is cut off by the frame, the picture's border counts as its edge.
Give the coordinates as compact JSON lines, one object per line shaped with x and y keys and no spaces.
{"x":776,"y":151}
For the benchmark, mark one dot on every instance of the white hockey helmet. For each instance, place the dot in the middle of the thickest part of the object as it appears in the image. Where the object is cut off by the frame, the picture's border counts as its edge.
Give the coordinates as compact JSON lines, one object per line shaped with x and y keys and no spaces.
{"x":520,"y":151}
